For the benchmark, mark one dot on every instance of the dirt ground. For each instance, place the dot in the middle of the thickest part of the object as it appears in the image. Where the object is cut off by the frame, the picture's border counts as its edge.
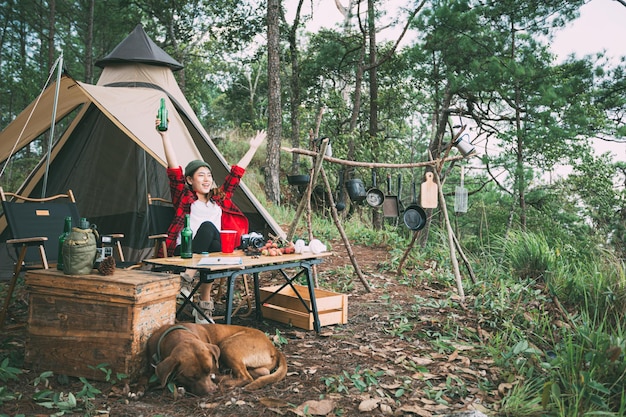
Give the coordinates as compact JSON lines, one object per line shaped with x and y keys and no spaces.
{"x":395,"y":356}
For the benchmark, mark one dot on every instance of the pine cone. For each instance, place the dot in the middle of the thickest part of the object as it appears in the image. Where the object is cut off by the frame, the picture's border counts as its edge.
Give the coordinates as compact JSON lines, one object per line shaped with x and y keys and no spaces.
{"x":107,"y":266}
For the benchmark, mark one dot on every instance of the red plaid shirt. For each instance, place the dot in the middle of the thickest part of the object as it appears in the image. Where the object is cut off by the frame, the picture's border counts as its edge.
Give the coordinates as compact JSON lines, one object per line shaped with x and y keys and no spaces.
{"x":183,"y":197}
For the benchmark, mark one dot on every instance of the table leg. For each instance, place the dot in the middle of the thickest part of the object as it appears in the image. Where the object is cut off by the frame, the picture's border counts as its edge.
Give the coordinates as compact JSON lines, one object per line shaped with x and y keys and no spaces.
{"x":230,"y":291}
{"x":257,"y":297}
{"x":309,"y":279}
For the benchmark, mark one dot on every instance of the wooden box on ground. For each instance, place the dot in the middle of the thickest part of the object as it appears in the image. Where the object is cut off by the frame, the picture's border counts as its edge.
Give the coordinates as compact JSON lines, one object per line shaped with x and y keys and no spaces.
{"x":286,"y":307}
{"x":78,"y":322}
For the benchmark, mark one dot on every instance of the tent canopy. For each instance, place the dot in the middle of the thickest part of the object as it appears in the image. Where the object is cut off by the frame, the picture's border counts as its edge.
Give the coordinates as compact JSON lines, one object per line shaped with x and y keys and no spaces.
{"x":111,"y":155}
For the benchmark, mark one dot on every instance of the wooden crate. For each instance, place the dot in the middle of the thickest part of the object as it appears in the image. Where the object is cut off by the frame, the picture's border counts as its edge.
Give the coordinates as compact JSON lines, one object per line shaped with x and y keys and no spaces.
{"x":286,"y":307}
{"x":76,"y":322}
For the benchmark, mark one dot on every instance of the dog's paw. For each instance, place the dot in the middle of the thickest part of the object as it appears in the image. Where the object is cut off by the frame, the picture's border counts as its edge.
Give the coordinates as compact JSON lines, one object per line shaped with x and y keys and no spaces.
{"x":179,"y":392}
{"x":137,"y":394}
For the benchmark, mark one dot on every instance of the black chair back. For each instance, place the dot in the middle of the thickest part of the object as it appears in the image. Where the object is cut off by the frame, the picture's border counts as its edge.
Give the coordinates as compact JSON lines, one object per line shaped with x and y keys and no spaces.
{"x":160,"y":218}
{"x":39,"y":219}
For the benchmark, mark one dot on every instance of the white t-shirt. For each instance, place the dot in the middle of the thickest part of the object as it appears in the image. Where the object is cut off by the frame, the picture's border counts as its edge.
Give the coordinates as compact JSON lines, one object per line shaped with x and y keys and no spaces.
{"x":202,"y":212}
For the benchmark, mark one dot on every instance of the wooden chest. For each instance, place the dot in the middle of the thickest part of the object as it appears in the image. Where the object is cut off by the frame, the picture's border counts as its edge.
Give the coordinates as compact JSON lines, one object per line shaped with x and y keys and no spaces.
{"x":77,"y":323}
{"x":286,"y":307}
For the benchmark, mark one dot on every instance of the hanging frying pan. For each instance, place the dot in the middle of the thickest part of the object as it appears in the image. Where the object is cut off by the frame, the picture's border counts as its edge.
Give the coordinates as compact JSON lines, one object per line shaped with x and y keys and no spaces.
{"x":374,"y":196}
{"x":414,"y":216}
{"x":390,"y":205}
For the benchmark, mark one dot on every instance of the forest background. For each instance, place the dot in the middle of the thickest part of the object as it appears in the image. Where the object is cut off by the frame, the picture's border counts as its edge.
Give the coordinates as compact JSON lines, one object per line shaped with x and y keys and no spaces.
{"x":488,"y":67}
{"x":485,"y":67}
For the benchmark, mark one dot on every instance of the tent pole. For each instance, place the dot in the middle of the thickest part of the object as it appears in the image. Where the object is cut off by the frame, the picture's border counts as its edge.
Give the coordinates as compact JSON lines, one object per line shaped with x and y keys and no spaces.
{"x":52,"y":123}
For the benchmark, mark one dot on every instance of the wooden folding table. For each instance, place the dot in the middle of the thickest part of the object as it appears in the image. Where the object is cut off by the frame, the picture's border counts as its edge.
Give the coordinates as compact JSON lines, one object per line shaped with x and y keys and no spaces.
{"x":219,"y":265}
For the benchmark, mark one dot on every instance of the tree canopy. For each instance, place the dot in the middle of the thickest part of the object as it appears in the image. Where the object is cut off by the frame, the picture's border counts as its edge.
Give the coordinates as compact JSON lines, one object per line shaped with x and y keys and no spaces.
{"x":483,"y":65}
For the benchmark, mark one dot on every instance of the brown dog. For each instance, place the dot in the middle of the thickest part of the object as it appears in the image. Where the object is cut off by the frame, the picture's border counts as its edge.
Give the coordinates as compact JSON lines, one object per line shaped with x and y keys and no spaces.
{"x":188,"y":354}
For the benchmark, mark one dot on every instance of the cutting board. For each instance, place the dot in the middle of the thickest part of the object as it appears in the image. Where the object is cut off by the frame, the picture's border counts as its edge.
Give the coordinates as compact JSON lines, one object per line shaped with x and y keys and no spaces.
{"x":429,"y":192}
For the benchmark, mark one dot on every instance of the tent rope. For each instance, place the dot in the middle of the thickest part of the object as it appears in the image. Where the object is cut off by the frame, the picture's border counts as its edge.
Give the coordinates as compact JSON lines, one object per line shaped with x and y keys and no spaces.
{"x":19,"y":137}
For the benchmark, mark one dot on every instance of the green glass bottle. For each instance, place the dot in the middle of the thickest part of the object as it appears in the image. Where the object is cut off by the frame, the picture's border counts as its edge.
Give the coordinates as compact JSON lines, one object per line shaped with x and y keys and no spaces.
{"x":185,"y":240}
{"x":162,"y":116}
{"x":67,"y":228}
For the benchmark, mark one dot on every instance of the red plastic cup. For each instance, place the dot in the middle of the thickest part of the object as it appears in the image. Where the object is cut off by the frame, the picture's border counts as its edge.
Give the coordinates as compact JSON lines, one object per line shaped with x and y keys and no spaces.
{"x":228,"y":240}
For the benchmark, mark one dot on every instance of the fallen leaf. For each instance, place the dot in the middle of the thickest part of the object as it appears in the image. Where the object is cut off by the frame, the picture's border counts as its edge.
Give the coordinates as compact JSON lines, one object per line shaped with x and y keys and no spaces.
{"x":414,"y":409}
{"x":273,"y":402}
{"x":315,"y":408}
{"x":422,"y":361}
{"x":504,"y":387}
{"x":400,"y":359}
{"x":368,"y":405}
{"x":208,"y":405}
{"x":396,"y":384}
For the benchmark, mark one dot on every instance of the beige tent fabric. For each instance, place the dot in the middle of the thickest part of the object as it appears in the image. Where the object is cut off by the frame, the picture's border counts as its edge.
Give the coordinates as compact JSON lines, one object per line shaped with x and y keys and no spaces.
{"x":120,"y":104}
{"x":110,"y":153}
{"x":132,"y":110}
{"x":35,"y":119}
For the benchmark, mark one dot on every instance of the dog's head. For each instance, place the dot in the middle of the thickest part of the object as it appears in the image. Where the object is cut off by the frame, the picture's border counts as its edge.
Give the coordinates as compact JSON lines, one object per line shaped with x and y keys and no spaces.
{"x":192,"y":364}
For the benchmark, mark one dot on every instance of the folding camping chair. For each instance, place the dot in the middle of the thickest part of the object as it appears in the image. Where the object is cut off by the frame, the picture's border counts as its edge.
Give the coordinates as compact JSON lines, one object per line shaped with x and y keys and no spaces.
{"x":160,"y":215}
{"x":35,"y":225}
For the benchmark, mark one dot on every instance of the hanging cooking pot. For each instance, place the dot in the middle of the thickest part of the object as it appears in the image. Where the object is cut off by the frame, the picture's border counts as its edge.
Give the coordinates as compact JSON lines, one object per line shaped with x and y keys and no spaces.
{"x":414,"y":216}
{"x":356,"y":190}
{"x":302,"y":179}
{"x":374,"y":197}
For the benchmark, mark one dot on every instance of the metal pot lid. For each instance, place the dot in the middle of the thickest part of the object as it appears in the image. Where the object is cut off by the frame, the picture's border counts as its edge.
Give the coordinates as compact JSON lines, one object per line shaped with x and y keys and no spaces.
{"x":375,"y":198}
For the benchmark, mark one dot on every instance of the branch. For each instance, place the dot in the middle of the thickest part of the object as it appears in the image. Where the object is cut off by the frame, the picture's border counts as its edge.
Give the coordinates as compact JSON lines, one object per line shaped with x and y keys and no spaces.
{"x":373,"y":164}
{"x":390,"y":53}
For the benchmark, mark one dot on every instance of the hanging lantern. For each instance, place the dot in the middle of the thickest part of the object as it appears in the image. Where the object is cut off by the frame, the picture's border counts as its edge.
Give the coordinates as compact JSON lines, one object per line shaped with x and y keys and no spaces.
{"x":460,"y":195}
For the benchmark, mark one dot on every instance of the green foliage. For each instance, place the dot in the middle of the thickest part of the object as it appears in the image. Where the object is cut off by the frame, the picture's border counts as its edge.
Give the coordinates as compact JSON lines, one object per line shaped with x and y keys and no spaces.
{"x":279,"y":340}
{"x":361,"y":380}
{"x":587,"y":369}
{"x":109,"y":377}
{"x":528,"y":255}
{"x":7,"y":372}
{"x":63,"y":403}
{"x":596,"y":287}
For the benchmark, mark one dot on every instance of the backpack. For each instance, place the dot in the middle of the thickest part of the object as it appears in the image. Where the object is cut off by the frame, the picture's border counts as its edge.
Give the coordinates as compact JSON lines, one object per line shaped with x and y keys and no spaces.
{"x":79,"y":251}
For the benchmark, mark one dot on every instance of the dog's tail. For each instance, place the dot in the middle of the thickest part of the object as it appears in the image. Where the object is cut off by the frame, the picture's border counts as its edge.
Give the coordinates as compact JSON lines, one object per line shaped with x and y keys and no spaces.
{"x":278,"y":375}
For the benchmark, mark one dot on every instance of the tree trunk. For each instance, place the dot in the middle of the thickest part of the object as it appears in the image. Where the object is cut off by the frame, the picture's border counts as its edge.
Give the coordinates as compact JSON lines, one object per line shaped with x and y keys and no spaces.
{"x":272,"y":161}
{"x":51,"y":31}
{"x":89,"y":44}
{"x":519,"y":174}
{"x":377,"y":217}
{"x":295,"y":90}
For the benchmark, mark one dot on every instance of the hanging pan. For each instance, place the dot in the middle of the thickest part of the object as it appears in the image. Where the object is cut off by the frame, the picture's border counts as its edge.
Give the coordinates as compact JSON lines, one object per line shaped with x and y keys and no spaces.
{"x":390,"y":205}
{"x":374,"y":197}
{"x":414,"y":216}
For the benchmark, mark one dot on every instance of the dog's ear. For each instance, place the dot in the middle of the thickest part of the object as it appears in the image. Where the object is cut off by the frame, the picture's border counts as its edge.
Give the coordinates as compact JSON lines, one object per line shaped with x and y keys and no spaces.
{"x":215,"y":352}
{"x":165,"y":369}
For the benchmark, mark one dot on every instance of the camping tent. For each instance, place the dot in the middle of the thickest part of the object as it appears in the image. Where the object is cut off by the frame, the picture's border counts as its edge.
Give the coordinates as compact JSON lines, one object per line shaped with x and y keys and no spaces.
{"x":110,"y":155}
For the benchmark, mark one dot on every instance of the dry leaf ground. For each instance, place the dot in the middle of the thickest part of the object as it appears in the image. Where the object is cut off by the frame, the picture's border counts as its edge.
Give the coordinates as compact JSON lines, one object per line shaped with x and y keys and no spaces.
{"x":408,"y":349}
